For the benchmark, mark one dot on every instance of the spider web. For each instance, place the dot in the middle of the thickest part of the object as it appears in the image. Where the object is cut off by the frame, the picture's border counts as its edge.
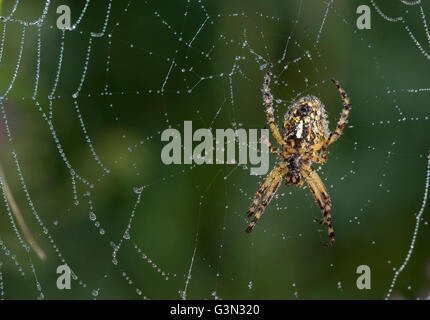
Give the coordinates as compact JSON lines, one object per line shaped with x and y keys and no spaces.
{"x":82,"y":114}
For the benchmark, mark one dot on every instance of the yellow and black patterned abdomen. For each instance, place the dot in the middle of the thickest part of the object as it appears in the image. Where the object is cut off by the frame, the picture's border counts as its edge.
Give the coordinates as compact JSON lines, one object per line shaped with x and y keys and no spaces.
{"x":305,"y":123}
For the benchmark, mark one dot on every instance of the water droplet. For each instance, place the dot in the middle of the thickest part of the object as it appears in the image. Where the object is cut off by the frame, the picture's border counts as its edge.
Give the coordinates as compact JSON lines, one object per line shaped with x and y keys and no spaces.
{"x":138,"y":190}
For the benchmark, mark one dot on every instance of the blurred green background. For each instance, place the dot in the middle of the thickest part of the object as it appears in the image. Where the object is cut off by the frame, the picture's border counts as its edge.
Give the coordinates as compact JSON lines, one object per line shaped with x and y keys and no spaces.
{"x":160,"y":63}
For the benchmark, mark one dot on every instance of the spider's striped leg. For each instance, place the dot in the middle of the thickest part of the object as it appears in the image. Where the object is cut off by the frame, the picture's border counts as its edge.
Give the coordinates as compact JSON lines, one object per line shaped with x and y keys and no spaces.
{"x":345,"y":112}
{"x":268,"y":100}
{"x":272,"y":148}
{"x":275,"y":151}
{"x":273,"y":174}
{"x":323,"y":199}
{"x":320,"y":159}
{"x":270,"y":193}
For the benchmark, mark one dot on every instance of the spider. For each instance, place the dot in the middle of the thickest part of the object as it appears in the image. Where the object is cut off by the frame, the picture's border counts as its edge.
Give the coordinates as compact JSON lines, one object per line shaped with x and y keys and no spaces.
{"x":305,"y":140}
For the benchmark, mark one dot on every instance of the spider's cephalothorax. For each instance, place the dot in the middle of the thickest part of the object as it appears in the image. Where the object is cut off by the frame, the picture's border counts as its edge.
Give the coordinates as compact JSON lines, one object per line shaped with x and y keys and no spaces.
{"x":305,"y":140}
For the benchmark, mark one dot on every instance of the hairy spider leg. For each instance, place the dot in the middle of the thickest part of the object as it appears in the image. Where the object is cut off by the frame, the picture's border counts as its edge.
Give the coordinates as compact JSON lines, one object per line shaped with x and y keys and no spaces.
{"x":320,"y":159}
{"x":266,"y":199}
{"x":266,"y":184}
{"x":268,"y":100}
{"x":273,"y":149}
{"x":322,"y":197}
{"x":344,"y":115}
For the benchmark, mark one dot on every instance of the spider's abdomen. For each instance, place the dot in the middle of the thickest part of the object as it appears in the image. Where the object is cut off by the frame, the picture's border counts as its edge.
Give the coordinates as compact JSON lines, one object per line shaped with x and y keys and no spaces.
{"x":306,"y":121}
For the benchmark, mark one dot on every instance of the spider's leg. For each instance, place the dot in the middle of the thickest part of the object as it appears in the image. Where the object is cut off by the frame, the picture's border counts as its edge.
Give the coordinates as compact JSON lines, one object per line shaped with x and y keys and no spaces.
{"x":268,"y":100}
{"x":322,"y":197}
{"x":320,"y":159}
{"x":274,"y":173}
{"x":272,"y":148}
{"x":345,"y":112}
{"x":266,"y":199}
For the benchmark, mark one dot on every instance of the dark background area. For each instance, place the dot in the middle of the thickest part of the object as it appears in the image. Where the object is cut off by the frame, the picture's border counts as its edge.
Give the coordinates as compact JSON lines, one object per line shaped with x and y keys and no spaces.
{"x":375,"y":173}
